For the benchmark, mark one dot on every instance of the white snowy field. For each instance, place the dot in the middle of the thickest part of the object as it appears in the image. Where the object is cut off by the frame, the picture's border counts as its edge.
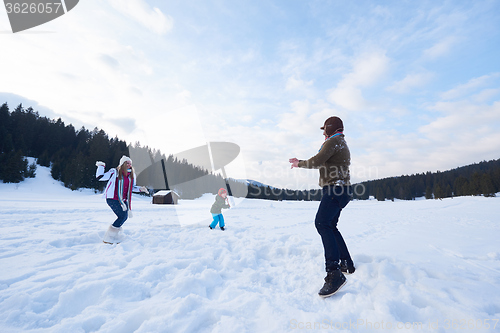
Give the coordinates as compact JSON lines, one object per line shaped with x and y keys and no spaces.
{"x":422,"y":266}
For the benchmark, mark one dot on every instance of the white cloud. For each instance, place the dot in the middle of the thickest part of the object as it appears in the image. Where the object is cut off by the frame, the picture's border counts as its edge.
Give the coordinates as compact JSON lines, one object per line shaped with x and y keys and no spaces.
{"x":485,"y":95}
{"x":464,"y":132}
{"x":440,"y":49}
{"x":293,"y":83}
{"x":305,"y":118}
{"x":348,"y":97}
{"x":139,"y":10}
{"x":461,"y":90}
{"x":410,"y":82}
{"x":109,"y":61}
{"x":366,"y":71}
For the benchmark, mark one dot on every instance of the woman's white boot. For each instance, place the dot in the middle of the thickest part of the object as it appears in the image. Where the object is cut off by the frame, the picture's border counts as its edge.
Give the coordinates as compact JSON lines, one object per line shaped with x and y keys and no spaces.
{"x":113,"y":235}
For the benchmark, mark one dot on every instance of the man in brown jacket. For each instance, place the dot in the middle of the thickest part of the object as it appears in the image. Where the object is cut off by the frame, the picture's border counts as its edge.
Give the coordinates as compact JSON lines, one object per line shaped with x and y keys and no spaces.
{"x":332,"y":160}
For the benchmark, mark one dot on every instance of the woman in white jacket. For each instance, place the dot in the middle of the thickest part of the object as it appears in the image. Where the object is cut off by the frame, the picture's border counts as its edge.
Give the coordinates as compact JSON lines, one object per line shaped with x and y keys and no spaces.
{"x":118,"y":194}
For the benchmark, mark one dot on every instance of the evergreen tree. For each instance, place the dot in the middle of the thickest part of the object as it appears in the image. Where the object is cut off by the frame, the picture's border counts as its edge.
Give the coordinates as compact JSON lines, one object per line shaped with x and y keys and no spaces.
{"x":380,"y":196}
{"x":428,"y":192}
{"x":438,"y":192}
{"x":388,"y":193}
{"x":448,"y":192}
{"x":6,"y":144}
{"x":460,"y":186}
{"x":31,"y":171}
{"x":44,"y":160}
{"x":496,"y":179}
{"x":487,"y":187}
{"x":475,"y":184}
{"x":13,"y":167}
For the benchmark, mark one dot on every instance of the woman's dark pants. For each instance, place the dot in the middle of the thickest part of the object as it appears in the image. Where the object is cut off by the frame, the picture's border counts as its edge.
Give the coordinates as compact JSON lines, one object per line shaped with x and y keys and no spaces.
{"x":121,"y":214}
{"x":334,"y":199}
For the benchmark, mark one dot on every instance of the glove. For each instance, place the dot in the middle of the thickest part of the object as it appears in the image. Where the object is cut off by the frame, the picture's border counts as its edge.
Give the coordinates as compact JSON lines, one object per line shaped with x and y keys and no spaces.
{"x":126,"y":208}
{"x":99,"y":163}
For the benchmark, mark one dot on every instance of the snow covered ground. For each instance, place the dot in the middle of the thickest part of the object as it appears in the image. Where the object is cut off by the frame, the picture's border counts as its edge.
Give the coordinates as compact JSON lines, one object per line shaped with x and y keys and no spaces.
{"x":422,"y":266}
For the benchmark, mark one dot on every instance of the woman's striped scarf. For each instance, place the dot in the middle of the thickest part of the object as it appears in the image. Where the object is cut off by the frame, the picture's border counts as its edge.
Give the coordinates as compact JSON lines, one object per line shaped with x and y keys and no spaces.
{"x":129,"y":193}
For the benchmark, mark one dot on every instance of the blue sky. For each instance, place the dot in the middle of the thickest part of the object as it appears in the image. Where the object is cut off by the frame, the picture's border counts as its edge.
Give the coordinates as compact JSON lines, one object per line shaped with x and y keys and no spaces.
{"x":417,"y":83}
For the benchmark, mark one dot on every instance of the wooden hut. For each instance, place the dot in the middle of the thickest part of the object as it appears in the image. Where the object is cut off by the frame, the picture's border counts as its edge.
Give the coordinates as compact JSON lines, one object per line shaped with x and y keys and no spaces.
{"x":165,"y":198}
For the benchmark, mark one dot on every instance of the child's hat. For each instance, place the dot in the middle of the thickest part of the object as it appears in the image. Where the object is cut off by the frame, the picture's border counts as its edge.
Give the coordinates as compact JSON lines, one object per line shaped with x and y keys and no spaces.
{"x":222,"y":190}
{"x":123,"y":160}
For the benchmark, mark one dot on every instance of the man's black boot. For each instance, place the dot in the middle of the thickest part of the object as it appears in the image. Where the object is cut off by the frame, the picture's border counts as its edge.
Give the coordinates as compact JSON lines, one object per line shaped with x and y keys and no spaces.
{"x":333,"y":282}
{"x":347,"y":266}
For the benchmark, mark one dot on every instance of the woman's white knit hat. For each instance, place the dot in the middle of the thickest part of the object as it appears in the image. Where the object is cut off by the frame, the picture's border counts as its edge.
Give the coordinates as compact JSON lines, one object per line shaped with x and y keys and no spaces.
{"x":124,"y":159}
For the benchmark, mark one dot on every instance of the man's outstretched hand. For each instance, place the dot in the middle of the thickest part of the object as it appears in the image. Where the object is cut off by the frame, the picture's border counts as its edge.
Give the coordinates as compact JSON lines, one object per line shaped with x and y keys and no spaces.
{"x":295,"y":162}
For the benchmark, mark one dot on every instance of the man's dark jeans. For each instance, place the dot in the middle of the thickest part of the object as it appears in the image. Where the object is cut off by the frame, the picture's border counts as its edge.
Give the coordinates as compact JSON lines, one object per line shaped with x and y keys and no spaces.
{"x":334,"y":199}
{"x":121,"y":214}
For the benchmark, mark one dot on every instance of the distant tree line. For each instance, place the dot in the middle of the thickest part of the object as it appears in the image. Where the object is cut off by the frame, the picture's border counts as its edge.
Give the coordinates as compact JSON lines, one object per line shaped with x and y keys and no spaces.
{"x":477,"y":179}
{"x":71,"y":153}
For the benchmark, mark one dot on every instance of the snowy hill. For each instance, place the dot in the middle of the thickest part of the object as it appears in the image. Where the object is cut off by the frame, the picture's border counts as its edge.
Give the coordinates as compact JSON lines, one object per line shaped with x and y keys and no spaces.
{"x":422,"y":266}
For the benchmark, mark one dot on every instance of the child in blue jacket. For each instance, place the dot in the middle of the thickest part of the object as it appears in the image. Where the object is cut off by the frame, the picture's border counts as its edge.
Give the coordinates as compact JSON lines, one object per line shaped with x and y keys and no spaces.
{"x":216,"y":210}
